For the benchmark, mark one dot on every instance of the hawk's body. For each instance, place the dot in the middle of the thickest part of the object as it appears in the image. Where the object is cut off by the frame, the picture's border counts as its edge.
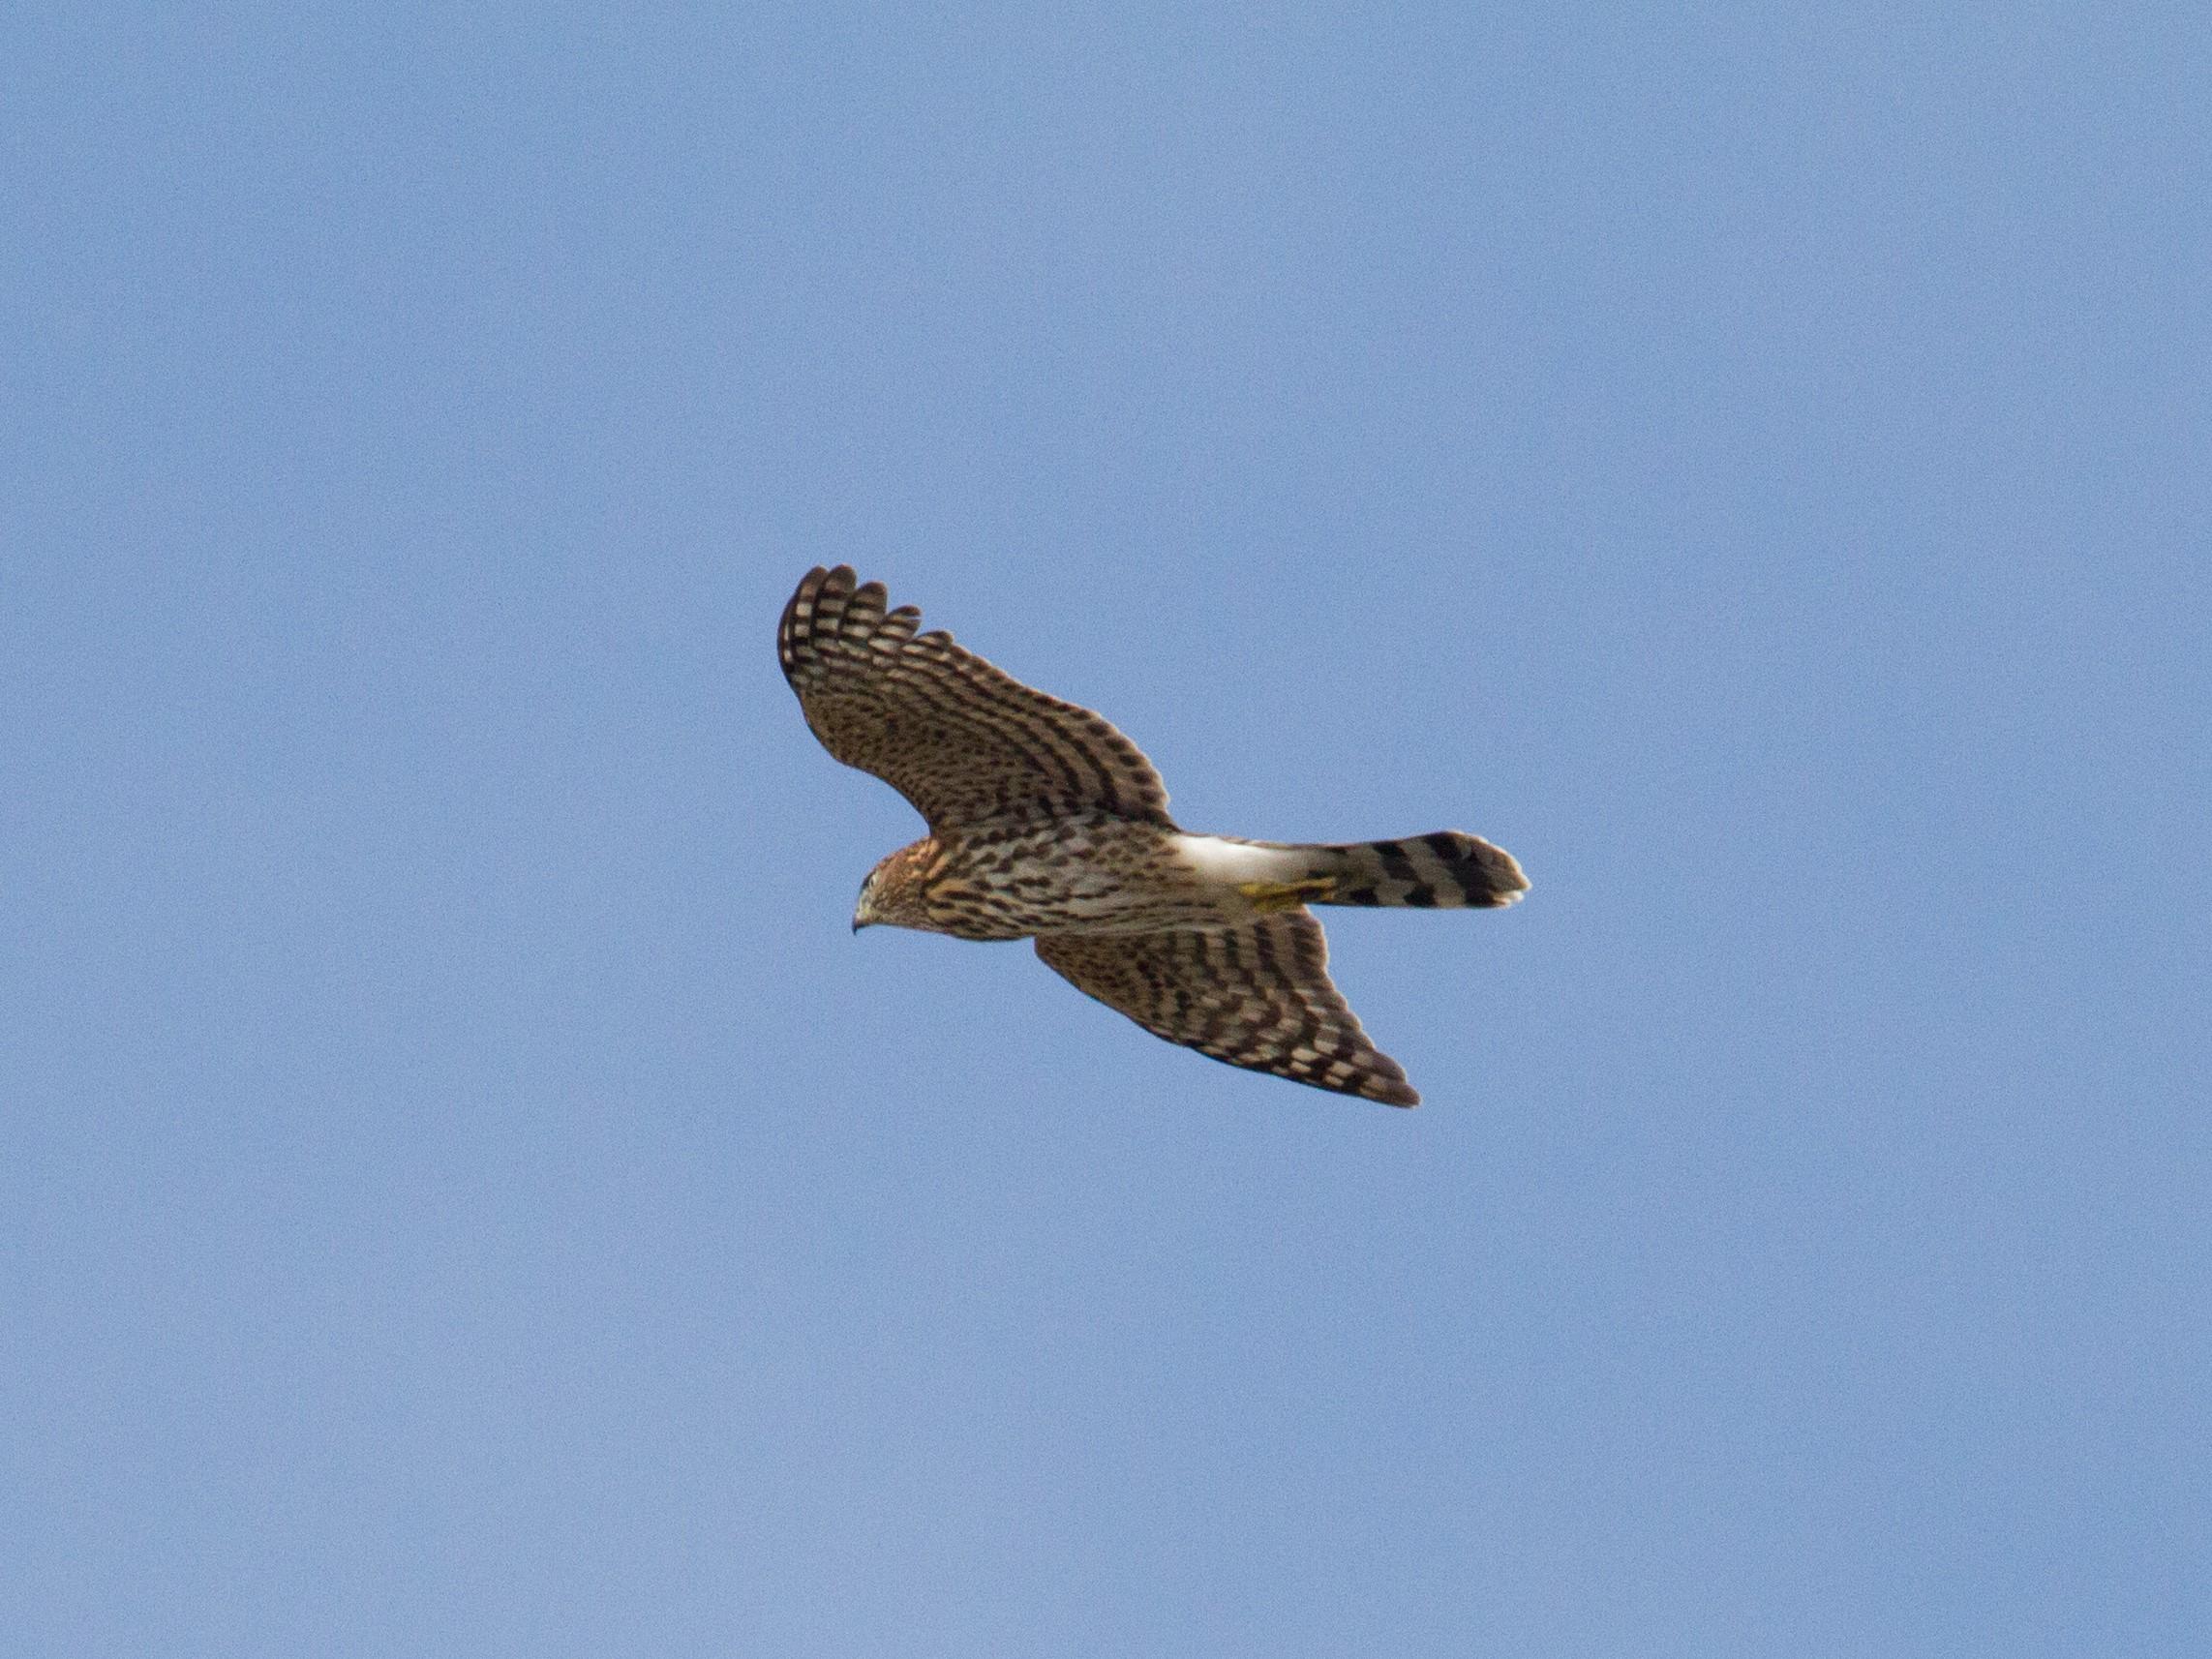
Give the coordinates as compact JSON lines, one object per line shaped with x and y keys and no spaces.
{"x":1046,"y":823}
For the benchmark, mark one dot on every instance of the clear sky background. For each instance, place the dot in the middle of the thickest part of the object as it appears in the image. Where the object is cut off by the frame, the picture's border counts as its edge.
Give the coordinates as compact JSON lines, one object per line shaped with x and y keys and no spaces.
{"x":462,"y":1190}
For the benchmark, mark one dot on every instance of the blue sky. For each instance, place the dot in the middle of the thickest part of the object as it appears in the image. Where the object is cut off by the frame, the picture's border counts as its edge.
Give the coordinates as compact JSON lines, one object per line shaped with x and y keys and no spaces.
{"x":463,"y":1188}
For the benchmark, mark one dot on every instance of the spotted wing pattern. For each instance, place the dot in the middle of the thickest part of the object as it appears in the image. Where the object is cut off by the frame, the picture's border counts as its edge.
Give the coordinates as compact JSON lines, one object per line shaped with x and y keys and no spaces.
{"x":965,"y":741}
{"x":1258,"y":996}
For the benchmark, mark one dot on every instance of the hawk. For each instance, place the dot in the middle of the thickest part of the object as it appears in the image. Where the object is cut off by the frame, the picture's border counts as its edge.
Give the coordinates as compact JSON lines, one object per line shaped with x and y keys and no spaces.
{"x":1045,"y":822}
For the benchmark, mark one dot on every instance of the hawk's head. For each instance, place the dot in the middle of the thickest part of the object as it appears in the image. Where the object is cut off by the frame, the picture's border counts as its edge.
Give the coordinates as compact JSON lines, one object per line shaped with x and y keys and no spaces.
{"x":897,"y":890}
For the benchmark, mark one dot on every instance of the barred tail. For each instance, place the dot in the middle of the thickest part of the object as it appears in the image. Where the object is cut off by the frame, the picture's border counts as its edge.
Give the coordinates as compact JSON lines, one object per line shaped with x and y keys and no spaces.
{"x":1450,"y":871}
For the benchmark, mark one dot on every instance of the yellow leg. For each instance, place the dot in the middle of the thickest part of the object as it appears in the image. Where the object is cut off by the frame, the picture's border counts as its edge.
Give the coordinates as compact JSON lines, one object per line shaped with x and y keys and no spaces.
{"x":1268,"y":897}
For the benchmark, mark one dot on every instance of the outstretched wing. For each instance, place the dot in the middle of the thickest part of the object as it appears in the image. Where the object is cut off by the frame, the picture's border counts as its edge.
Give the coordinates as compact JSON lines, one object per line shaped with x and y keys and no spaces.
{"x":1258,"y":996}
{"x":963,"y":741}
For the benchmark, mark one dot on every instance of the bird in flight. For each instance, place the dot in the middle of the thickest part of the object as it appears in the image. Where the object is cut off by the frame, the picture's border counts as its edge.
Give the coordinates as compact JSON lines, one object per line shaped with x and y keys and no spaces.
{"x":1045,"y":822}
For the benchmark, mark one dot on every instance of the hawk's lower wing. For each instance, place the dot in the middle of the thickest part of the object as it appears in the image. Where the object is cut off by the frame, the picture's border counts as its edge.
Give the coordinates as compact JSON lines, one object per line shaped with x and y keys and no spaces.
{"x":1258,"y":996}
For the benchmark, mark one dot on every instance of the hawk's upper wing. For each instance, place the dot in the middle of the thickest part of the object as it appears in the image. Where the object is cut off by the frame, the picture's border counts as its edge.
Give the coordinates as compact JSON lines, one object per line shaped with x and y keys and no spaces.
{"x":960,"y":740}
{"x":1258,"y":996}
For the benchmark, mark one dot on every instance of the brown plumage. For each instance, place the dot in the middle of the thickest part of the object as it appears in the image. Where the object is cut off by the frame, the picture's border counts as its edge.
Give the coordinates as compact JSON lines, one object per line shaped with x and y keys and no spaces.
{"x":1046,"y":823}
